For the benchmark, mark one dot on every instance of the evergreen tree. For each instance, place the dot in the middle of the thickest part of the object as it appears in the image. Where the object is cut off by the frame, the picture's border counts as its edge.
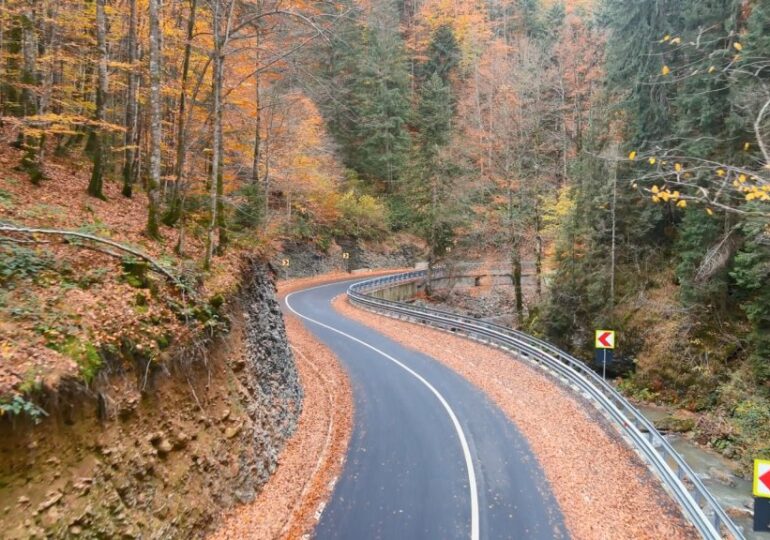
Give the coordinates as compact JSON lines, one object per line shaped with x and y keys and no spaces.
{"x":443,"y":54}
{"x":366,"y":101}
{"x":752,"y":275}
{"x":381,"y":95}
{"x":633,"y":63}
{"x":428,"y":188}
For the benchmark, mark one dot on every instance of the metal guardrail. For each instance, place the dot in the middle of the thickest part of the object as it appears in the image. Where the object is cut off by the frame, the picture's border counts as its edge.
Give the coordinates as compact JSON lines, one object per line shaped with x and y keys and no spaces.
{"x":697,"y":503}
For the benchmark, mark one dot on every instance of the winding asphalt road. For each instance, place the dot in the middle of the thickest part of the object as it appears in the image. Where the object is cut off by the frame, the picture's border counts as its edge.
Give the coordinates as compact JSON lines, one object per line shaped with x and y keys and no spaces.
{"x":430,"y":457}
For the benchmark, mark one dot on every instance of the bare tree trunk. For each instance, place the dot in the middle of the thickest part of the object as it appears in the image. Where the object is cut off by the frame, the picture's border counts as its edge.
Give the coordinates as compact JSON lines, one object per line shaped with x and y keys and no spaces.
{"x":132,"y":107}
{"x":175,"y":206}
{"x":216,"y":100}
{"x":256,"y":156}
{"x":29,"y":44}
{"x":96,"y":184}
{"x":515,"y":256}
{"x":51,"y":46}
{"x":614,"y":231}
{"x":29,"y":47}
{"x":257,"y":132}
{"x":564,"y":134}
{"x":153,"y":183}
{"x":433,"y":235}
{"x":516,"y":267}
{"x":221,"y":38}
{"x":2,"y":64}
{"x":538,"y":252}
{"x":221,"y":216}
{"x":266,"y":178}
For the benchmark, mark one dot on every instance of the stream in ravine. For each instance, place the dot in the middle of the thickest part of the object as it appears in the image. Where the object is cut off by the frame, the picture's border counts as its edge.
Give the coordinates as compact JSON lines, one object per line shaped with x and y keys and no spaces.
{"x":717,"y":474}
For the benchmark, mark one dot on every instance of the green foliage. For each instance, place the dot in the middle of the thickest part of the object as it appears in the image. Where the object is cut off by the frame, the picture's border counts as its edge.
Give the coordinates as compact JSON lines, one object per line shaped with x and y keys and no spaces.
{"x":249,"y":214}
{"x":96,"y":228}
{"x":6,"y":199}
{"x":443,"y":55}
{"x":698,"y":232}
{"x":635,"y":27}
{"x":83,"y":353}
{"x":369,"y":108}
{"x":434,"y":115}
{"x":629,"y":387}
{"x":752,"y":417}
{"x":18,"y":262}
{"x":361,"y":216}
{"x":752,"y":274}
{"x":135,"y":272}
{"x":18,"y":405}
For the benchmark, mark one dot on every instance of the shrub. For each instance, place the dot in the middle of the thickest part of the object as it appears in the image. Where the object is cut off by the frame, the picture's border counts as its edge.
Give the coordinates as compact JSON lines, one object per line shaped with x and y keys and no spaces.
{"x":19,"y":263}
{"x":361,"y":216}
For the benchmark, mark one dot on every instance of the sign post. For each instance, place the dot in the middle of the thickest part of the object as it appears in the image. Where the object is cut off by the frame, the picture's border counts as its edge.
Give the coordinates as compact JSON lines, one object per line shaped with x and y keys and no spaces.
{"x":761,"y":489}
{"x":346,"y":258}
{"x":605,"y":342}
{"x":285,"y":263}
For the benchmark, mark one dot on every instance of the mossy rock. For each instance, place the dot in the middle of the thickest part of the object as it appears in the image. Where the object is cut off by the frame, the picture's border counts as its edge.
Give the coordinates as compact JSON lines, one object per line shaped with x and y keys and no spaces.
{"x":675,"y":424}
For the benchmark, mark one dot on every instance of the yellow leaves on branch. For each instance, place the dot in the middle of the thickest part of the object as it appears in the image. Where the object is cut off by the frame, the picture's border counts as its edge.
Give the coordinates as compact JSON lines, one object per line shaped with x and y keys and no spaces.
{"x":665,"y":70}
{"x":757,"y":193}
{"x":738,"y":46}
{"x":632,"y":155}
{"x":666,"y":195}
{"x":678,"y":167}
{"x":653,"y":161}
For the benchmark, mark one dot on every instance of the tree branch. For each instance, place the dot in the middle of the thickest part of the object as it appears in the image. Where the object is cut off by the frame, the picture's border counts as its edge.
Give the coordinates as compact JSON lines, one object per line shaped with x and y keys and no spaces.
{"x":156,"y":266}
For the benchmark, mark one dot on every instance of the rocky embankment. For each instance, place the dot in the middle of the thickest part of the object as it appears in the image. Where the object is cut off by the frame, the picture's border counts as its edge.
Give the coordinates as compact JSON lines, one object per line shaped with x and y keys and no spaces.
{"x":158,"y":456}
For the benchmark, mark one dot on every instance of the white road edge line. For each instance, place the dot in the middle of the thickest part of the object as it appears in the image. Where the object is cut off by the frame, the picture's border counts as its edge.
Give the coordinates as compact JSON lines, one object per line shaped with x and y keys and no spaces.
{"x":474,"y":494}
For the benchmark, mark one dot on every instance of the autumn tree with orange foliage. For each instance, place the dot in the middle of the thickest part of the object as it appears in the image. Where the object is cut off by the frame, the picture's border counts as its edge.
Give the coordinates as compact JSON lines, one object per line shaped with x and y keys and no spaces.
{"x":150,"y":90}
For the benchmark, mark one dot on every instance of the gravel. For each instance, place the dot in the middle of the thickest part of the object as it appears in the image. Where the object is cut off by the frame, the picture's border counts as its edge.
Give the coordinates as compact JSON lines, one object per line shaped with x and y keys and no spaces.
{"x":603,"y":489}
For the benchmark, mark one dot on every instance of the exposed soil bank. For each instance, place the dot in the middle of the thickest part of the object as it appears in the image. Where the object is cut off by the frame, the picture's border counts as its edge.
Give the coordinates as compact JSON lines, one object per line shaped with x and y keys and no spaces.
{"x":113,"y":461}
{"x":603,"y":489}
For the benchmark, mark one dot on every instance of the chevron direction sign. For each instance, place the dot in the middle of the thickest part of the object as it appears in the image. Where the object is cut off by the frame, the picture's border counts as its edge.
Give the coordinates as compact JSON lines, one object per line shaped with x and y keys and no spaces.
{"x":605,"y":339}
{"x":762,"y":478}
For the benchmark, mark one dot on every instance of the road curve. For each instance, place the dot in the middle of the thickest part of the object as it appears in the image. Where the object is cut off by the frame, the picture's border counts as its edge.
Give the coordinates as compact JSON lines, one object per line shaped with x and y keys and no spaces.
{"x":430,"y":455}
